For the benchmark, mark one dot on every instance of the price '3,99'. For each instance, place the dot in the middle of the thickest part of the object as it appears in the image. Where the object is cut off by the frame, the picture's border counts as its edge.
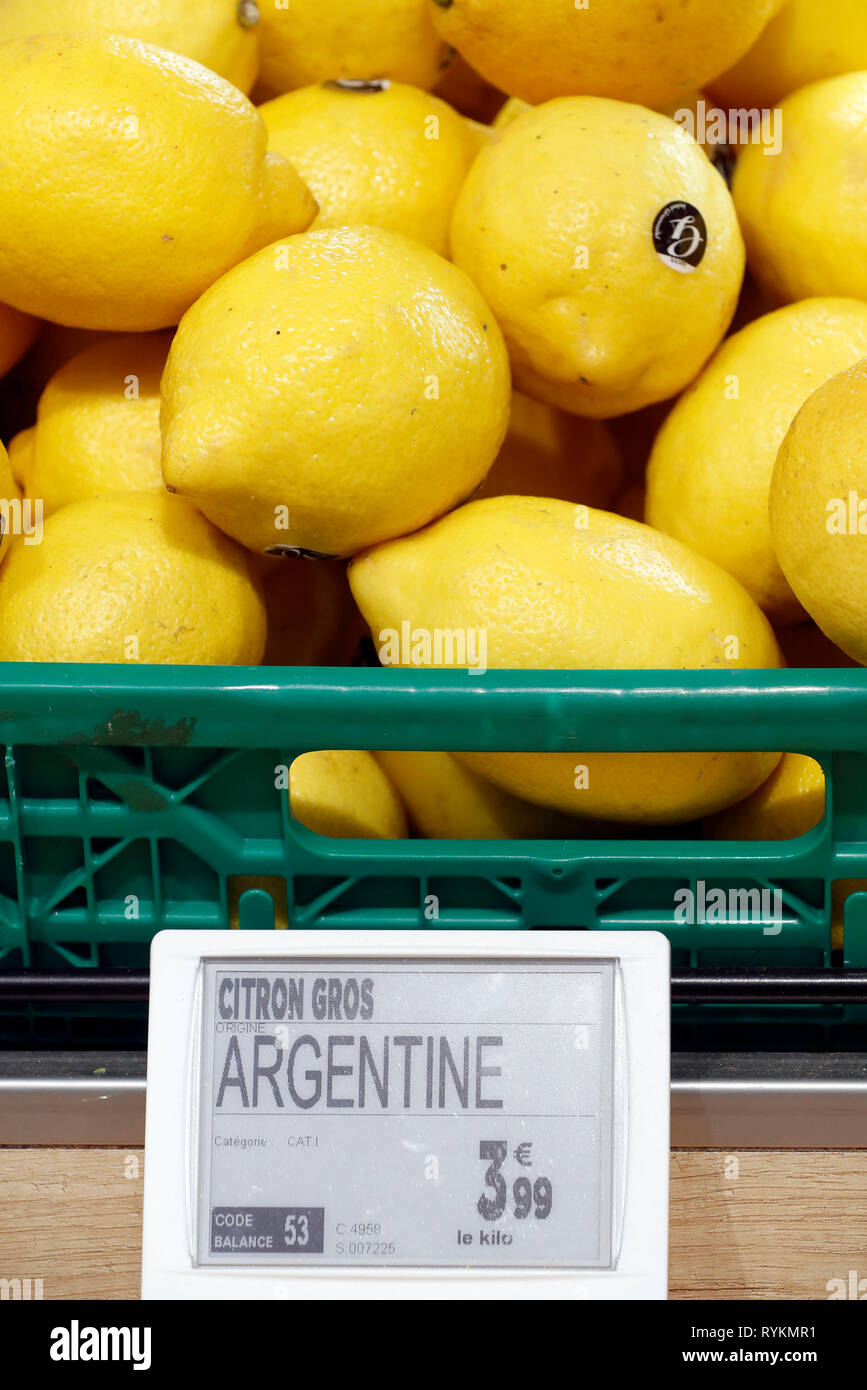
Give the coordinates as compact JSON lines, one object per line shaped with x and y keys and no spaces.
{"x":528,"y":1199}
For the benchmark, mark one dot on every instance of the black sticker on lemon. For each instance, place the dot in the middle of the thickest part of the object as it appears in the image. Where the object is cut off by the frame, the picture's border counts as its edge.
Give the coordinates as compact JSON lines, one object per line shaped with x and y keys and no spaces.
{"x":680,"y":237}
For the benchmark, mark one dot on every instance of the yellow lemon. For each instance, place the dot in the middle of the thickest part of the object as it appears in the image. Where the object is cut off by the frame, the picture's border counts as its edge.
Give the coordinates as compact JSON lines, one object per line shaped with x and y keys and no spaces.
{"x":8,"y":494}
{"x":684,"y":111}
{"x":446,"y":801}
{"x":818,"y":517}
{"x":153,"y":178}
{"x":312,"y":620}
{"x":98,"y":424}
{"x":478,"y":135}
{"x":512,"y":108}
{"x":220,"y":34}
{"x":336,"y":389}
{"x":17,"y":332}
{"x":317,"y":40}
{"x":801,"y":210}
{"x":527,"y":588}
{"x":345,"y":793}
{"x":548,"y":453}
{"x":21,"y":455}
{"x":607,"y":246}
{"x":136,"y":577}
{"x":806,"y":41}
{"x":790,"y":803}
{"x":379,"y":153}
{"x":648,"y":51}
{"x":710,"y":470}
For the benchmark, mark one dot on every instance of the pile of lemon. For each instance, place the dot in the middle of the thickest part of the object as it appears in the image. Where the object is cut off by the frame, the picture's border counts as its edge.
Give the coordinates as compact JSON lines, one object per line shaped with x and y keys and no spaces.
{"x":439,"y":317}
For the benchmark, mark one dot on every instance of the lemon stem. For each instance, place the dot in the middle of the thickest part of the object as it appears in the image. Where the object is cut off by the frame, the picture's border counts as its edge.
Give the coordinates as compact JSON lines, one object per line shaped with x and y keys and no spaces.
{"x":248,"y":14}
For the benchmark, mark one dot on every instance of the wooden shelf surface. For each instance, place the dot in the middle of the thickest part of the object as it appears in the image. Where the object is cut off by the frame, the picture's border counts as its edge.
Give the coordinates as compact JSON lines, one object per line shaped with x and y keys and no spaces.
{"x":760,"y":1224}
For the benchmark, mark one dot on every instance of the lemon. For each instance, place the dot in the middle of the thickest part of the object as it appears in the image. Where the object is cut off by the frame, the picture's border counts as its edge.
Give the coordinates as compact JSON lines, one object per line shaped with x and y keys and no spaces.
{"x":376,"y":152}
{"x":607,"y":246}
{"x":21,"y":455}
{"x":538,"y":583}
{"x":221,"y":34}
{"x":548,"y":453}
{"x":312,"y":620}
{"x":807,"y":41}
{"x":446,"y":801}
{"x":337,"y":389}
{"x":17,"y":332}
{"x":316,"y":40}
{"x":136,"y":577}
{"x":153,"y":178}
{"x":98,"y":423}
{"x":649,"y":51}
{"x":801,"y":210}
{"x":478,"y":135}
{"x":819,"y":509}
{"x":687,"y":103}
{"x":710,"y":470}
{"x":511,"y":109}
{"x":790,"y":803}
{"x":8,"y":494}
{"x":345,"y":794}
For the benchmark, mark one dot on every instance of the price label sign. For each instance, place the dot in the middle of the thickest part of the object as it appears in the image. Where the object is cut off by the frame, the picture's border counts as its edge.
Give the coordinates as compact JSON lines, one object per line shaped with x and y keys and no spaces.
{"x":435,"y":1111}
{"x":407,"y":1113}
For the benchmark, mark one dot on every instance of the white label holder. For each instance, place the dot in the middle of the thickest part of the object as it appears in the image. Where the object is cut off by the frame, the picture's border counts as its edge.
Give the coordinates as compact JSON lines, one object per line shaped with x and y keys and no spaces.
{"x":407,"y":1114}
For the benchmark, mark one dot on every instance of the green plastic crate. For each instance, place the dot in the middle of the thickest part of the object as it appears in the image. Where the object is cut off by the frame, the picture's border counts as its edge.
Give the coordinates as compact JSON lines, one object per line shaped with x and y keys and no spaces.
{"x":138,"y":798}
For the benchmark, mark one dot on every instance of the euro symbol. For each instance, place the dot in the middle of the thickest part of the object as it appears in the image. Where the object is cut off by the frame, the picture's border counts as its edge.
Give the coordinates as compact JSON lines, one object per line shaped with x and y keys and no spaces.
{"x":522,"y":1154}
